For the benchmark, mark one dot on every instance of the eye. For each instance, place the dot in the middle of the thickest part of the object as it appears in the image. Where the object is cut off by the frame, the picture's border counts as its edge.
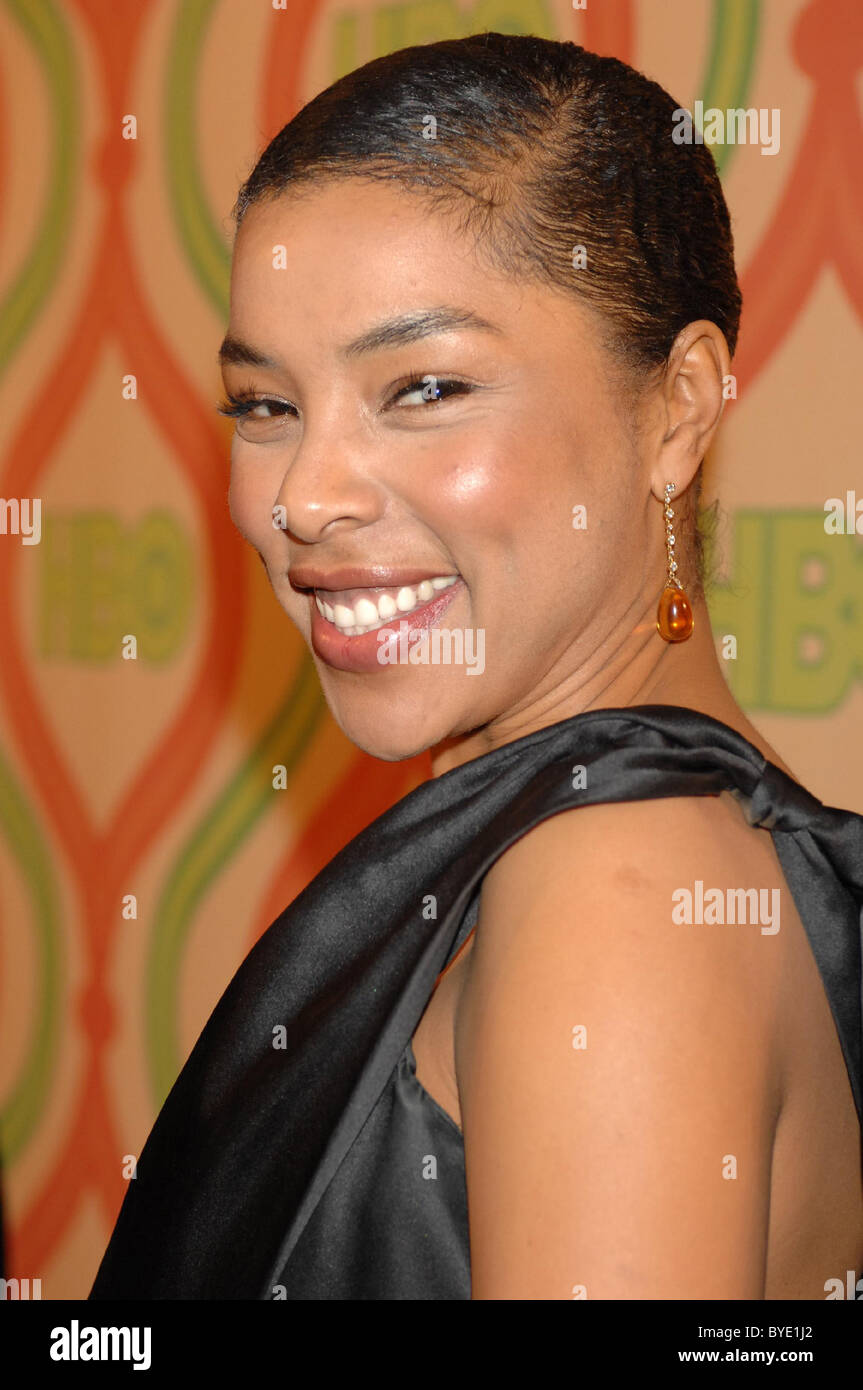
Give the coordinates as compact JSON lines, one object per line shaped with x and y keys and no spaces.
{"x":262,"y":418}
{"x":238,"y":406}
{"x":432,"y":390}
{"x":259,"y":418}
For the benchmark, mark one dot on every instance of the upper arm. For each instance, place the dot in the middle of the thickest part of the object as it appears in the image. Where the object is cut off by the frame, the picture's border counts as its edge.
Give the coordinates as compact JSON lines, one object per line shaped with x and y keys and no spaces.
{"x":617,"y":1072}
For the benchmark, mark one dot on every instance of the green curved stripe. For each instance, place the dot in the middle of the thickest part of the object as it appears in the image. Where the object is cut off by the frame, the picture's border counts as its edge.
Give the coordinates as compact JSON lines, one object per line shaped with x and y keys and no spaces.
{"x":23,"y":835}
{"x":205,"y":246}
{"x":45,"y":29}
{"x":204,"y":856}
{"x":729,"y":69}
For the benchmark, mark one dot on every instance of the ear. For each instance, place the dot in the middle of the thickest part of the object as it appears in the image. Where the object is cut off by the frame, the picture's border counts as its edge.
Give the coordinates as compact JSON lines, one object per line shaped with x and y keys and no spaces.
{"x":689,"y":407}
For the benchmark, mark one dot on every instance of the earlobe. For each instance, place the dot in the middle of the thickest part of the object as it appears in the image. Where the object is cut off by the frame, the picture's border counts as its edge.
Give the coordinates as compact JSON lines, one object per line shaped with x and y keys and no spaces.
{"x":681,"y":465}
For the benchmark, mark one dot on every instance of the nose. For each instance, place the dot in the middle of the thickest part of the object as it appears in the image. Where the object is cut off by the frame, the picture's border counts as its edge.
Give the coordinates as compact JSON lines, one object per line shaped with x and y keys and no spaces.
{"x":326,"y":486}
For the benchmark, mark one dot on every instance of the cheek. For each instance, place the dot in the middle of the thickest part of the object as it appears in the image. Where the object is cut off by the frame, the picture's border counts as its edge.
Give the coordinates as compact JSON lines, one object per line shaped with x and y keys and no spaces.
{"x":533,"y":522}
{"x":250,"y":505}
{"x":480,"y":490}
{"x":514,"y":493}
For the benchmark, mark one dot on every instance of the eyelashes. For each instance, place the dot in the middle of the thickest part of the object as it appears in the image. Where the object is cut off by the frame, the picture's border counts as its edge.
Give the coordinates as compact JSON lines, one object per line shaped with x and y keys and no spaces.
{"x":237,"y":407}
{"x":433,"y":390}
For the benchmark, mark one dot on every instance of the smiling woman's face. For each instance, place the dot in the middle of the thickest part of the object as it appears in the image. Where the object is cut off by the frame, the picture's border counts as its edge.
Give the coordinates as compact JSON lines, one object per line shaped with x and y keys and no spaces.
{"x":477,"y":480}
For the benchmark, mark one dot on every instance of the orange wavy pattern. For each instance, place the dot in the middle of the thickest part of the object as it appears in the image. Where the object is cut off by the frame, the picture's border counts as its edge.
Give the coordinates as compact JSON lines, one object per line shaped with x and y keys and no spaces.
{"x":113,"y":308}
{"x":820,"y":214}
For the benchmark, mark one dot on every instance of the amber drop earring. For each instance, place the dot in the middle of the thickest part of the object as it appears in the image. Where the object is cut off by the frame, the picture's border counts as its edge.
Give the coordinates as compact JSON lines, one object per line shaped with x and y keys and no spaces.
{"x":674,"y":620}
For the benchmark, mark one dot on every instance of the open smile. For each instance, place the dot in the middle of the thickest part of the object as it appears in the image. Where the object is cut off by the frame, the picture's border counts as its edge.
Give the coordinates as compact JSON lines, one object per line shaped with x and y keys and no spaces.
{"x":357,"y":611}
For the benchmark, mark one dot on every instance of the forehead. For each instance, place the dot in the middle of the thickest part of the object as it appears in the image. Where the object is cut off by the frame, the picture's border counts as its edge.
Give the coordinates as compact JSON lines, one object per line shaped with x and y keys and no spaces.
{"x":319,"y":267}
{"x":319,"y":217}
{"x":355,"y":242}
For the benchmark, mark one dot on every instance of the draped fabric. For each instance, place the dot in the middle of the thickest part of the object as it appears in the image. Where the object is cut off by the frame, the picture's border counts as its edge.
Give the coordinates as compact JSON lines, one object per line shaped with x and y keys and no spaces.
{"x":253,"y":1134}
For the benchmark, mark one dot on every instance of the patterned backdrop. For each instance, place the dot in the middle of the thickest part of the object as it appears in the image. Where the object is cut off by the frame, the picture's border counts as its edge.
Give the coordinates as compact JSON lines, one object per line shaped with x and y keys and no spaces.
{"x":150,"y":683}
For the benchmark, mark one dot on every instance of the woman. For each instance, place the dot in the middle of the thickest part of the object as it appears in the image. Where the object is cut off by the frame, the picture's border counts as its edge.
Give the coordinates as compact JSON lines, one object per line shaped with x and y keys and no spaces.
{"x":579,"y":1017}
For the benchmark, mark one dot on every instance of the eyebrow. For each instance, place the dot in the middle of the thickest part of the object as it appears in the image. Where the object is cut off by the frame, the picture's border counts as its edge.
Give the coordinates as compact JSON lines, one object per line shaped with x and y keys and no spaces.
{"x":394,"y":332}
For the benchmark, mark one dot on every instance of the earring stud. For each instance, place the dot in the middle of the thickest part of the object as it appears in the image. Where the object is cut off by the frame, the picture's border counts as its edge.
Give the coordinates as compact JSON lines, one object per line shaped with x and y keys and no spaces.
{"x":674,"y":620}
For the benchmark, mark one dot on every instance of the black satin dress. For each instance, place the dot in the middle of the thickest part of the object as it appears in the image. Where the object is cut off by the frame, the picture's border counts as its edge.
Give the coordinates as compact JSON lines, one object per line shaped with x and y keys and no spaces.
{"x":323,"y":1169}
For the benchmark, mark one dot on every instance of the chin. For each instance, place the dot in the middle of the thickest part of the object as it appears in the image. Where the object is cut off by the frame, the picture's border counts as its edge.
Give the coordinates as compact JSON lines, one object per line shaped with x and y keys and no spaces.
{"x":385,"y":746}
{"x":382,"y":734}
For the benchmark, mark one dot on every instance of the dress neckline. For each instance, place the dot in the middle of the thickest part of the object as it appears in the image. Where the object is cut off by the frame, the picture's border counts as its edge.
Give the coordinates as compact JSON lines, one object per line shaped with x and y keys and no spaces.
{"x":634,"y":713}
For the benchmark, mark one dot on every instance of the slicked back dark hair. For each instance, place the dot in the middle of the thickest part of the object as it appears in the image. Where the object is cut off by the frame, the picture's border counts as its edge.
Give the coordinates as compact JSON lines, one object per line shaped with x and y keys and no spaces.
{"x":540,"y":147}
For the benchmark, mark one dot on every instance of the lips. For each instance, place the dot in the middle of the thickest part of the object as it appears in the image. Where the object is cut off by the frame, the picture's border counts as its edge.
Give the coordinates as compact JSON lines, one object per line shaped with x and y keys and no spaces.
{"x":359,"y":576}
{"x":359,"y":652}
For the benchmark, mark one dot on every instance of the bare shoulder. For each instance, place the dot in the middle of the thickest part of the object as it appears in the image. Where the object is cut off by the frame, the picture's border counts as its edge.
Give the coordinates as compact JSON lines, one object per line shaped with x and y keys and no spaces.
{"x":618,"y":1059}
{"x":643,"y":868}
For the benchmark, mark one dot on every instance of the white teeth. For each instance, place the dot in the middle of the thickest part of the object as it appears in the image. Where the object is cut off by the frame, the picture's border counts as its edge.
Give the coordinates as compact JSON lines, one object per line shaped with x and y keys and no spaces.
{"x":406,"y":599}
{"x":366,"y":614}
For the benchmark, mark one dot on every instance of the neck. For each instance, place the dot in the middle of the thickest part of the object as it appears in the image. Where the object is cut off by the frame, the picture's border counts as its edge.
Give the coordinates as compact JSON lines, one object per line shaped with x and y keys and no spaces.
{"x":638,"y":669}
